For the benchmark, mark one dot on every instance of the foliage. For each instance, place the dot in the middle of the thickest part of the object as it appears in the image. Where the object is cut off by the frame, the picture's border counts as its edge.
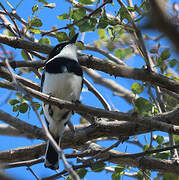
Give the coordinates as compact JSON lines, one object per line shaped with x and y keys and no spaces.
{"x":120,"y":38}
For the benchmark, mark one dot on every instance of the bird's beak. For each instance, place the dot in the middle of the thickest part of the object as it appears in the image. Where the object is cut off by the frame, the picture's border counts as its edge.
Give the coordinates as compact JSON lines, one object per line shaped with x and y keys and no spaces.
{"x":74,"y":38}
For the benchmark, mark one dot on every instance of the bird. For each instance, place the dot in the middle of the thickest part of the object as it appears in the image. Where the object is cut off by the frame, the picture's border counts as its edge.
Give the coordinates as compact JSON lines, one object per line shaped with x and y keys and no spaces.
{"x":62,"y":78}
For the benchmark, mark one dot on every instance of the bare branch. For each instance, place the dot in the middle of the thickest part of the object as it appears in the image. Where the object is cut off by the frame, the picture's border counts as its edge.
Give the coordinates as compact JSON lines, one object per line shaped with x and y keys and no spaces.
{"x":105,"y":53}
{"x":97,"y":94}
{"x":17,"y":29}
{"x":21,"y":126}
{"x":30,"y":169}
{"x":112,"y":85}
{"x":11,"y":131}
{"x":98,"y":64}
{"x":24,"y":163}
{"x":147,"y":121}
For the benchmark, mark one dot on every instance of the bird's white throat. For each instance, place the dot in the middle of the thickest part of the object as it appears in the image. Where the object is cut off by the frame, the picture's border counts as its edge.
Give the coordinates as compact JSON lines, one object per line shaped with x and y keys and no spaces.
{"x":69,"y":51}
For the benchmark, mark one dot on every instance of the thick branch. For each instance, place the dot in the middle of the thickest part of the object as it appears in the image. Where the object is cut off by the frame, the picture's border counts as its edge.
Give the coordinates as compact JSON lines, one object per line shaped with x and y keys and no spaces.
{"x":98,"y":64}
{"x":11,"y":131}
{"x":22,"y":126}
{"x":113,"y":156}
{"x":129,"y":72}
{"x":80,"y":108}
{"x":112,"y":85}
{"x":148,"y":122}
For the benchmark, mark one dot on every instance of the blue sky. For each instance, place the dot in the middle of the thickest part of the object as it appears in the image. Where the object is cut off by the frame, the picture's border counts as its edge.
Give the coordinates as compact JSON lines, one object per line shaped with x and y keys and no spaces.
{"x":49,"y":18}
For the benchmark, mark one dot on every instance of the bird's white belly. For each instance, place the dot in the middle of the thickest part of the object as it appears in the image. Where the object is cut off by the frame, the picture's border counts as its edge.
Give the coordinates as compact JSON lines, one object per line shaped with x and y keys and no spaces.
{"x":66,"y":86}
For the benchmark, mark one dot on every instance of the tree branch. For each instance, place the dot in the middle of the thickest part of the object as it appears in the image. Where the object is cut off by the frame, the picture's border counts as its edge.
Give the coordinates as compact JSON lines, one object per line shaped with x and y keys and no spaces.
{"x":110,"y":84}
{"x":96,"y":63}
{"x":21,"y":126}
{"x":80,"y":108}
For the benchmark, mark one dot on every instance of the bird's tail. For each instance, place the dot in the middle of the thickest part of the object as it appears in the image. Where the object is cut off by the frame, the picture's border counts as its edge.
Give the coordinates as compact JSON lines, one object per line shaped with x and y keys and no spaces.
{"x":51,"y":156}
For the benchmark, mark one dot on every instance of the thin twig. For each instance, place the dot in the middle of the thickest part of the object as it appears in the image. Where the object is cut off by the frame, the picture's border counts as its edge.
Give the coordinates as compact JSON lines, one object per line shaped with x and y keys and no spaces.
{"x":139,"y":38}
{"x":110,"y":84}
{"x":103,"y":151}
{"x":83,"y":18}
{"x":106,"y":54}
{"x":49,"y":136}
{"x":98,"y":64}
{"x":97,"y":94}
{"x":57,"y":148}
{"x":11,"y":19}
{"x":31,"y":170}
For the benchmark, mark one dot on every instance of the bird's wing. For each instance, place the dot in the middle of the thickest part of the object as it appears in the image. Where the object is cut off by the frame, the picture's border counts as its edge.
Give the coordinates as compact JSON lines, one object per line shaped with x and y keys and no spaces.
{"x":42,"y":80}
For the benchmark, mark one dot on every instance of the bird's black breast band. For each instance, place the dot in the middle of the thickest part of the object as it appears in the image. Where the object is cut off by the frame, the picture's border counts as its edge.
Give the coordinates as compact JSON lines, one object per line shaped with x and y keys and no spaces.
{"x":62,"y":65}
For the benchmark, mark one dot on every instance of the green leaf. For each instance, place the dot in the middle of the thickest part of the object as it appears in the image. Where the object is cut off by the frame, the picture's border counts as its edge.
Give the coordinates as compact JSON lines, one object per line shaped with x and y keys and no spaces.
{"x":103,"y":22}
{"x":118,"y":172}
{"x":146,"y":147}
{"x":36,"y":31}
{"x":165,"y":54}
{"x":163,"y":155}
{"x":110,"y":46}
{"x":83,"y":120}
{"x":143,"y":106}
{"x":36,"y":22}
{"x":41,"y":111}
{"x":35,"y":8}
{"x":101,"y":33}
{"x":153,"y":51}
{"x":140,"y":175}
{"x":80,"y":45}
{"x":78,"y":13}
{"x":138,"y":10}
{"x":159,"y":139}
{"x":176,"y":138}
{"x":124,"y":53}
{"x":36,"y":105}
{"x":87,"y":2}
{"x":8,"y":33}
{"x":50,"y":5}
{"x":98,"y":167}
{"x":63,"y":16}
{"x":116,"y":176}
{"x":62,"y":36}
{"x":25,"y":98}
{"x":23,"y":107}
{"x":123,"y":14}
{"x":13,"y":101}
{"x":144,"y":6}
{"x":137,"y":88}
{"x":119,"y":169}
{"x":172,"y":62}
{"x":111,"y":33}
{"x":19,"y":96}
{"x":72,"y":32}
{"x":87,"y":25}
{"x":43,"y":1}
{"x":24,"y":55}
{"x":45,"y":41}
{"x":170,"y":176}
{"x":169,"y":75}
{"x":15,"y":108}
{"x":82,"y":172}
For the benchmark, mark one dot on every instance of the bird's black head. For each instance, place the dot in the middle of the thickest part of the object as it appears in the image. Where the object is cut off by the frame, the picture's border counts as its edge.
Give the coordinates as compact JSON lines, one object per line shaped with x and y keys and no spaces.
{"x":58,"y":48}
